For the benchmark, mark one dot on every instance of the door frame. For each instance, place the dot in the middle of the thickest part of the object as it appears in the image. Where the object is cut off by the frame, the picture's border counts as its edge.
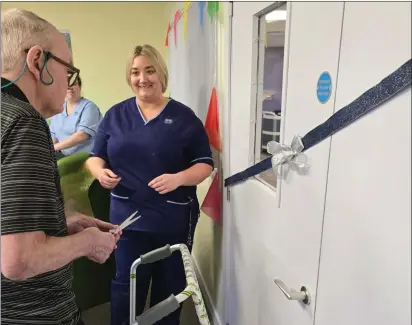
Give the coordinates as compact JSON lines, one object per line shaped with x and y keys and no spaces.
{"x":226,"y":117}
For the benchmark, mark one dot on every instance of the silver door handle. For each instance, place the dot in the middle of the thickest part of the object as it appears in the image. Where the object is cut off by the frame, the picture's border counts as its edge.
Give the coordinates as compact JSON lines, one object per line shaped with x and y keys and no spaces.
{"x":303,"y":295}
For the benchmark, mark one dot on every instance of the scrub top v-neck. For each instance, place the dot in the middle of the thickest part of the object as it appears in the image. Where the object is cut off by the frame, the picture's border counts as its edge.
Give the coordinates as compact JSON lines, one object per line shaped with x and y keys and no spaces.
{"x":139,"y":150}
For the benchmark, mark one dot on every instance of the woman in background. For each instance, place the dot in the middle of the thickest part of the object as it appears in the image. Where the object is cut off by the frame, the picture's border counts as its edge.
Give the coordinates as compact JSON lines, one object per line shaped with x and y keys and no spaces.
{"x":152,"y":151}
{"x":74,"y":129}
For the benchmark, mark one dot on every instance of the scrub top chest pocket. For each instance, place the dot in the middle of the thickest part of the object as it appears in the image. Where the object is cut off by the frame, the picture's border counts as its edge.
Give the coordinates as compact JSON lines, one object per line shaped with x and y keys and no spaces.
{"x":172,"y":142}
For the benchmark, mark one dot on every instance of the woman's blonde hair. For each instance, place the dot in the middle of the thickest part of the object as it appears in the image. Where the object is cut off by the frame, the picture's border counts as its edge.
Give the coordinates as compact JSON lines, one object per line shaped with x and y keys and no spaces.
{"x":153,"y":55}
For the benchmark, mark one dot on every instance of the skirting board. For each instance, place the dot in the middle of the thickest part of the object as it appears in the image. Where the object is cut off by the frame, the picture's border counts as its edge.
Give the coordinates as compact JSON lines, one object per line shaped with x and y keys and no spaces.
{"x":210,"y":306}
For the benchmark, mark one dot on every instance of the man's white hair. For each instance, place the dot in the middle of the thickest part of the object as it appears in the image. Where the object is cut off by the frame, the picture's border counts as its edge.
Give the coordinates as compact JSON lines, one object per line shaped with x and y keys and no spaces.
{"x":20,"y":30}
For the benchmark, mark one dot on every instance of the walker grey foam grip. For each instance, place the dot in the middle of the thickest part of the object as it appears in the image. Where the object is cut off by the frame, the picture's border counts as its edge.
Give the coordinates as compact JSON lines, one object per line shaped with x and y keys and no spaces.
{"x":159,"y":311}
{"x":156,"y":255}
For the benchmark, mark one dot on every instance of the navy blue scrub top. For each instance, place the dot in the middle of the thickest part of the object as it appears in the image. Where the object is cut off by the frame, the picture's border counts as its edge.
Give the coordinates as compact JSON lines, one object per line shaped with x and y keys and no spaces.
{"x":139,"y":151}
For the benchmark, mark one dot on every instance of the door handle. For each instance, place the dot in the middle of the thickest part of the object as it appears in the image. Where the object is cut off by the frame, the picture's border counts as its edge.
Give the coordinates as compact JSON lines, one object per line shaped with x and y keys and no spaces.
{"x":303,"y":295}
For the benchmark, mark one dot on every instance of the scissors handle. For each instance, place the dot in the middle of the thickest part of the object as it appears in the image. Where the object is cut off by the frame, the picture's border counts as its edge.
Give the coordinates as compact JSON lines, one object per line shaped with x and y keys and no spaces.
{"x":115,"y":231}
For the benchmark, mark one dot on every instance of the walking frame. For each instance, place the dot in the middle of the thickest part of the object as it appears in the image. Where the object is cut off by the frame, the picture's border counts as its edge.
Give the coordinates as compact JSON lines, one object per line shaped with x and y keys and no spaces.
{"x":169,"y":305}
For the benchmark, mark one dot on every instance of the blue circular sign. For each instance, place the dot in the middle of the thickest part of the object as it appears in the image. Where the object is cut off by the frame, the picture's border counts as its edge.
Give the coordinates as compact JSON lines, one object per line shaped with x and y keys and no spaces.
{"x":324,"y":88}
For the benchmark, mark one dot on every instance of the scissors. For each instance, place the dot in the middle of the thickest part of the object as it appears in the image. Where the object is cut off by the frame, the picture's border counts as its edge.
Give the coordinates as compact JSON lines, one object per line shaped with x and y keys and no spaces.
{"x":126,"y":223}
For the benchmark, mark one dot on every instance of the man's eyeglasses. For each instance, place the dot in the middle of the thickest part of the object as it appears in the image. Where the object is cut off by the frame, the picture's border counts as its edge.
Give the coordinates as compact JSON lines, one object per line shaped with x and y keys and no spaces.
{"x":72,"y":72}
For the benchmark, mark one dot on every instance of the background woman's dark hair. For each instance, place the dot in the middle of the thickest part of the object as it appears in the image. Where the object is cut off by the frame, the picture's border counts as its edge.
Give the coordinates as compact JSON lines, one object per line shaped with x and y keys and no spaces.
{"x":79,"y":81}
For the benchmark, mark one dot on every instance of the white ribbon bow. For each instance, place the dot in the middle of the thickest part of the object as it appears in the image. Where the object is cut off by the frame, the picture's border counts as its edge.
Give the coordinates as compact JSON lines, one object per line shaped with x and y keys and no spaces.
{"x":291,"y":155}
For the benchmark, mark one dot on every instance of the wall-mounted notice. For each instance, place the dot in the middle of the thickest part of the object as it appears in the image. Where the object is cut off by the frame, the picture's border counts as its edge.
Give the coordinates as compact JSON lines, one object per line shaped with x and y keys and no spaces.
{"x":324,"y":87}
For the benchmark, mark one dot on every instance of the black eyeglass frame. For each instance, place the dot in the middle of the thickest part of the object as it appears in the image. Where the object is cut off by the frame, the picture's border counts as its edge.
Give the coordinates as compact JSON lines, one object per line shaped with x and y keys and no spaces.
{"x":71,"y":70}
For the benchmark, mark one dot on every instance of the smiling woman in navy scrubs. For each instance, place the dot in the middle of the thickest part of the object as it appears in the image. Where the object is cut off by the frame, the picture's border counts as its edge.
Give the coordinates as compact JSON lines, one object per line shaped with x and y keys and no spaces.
{"x":151,"y":151}
{"x":74,"y":129}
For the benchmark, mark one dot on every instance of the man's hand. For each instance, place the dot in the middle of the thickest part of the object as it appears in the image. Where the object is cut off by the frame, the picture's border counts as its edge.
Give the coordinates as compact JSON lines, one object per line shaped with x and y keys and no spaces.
{"x":101,"y":244}
{"x":78,"y":222}
{"x":166,"y":183}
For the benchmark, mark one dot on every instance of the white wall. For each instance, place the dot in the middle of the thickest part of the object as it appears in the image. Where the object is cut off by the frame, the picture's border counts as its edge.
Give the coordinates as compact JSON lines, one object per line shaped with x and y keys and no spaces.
{"x":208,"y":242}
{"x":273,"y":27}
{"x":193,"y":61}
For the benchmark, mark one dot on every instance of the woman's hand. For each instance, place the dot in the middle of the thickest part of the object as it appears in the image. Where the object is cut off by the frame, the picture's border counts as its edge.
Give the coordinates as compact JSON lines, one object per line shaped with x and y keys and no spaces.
{"x":166,"y":183}
{"x":75,"y":139}
{"x":108,"y":179}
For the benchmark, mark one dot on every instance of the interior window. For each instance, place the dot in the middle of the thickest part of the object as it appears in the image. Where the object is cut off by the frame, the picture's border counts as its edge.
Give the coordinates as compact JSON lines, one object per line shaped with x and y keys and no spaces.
{"x":269,"y":98}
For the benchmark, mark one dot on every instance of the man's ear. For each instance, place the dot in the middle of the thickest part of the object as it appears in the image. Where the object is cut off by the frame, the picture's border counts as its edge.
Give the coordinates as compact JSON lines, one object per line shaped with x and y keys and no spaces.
{"x":35,"y":61}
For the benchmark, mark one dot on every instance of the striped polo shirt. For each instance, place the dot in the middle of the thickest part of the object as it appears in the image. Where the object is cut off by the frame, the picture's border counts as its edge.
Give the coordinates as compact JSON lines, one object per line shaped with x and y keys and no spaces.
{"x":31,"y":200}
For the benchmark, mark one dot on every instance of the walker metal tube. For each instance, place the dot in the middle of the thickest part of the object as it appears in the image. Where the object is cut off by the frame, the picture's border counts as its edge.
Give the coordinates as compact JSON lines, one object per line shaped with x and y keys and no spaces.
{"x":159,"y":311}
{"x":166,"y":305}
{"x":132,"y":298}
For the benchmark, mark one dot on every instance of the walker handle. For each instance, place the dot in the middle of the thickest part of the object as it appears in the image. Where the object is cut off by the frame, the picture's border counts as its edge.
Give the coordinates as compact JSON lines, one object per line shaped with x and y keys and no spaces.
{"x":159,"y":311}
{"x":156,"y":255}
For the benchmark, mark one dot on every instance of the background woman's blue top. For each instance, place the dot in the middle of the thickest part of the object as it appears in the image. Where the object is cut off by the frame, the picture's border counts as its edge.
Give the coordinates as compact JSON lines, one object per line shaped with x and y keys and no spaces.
{"x":139,"y":151}
{"x":85,"y":116}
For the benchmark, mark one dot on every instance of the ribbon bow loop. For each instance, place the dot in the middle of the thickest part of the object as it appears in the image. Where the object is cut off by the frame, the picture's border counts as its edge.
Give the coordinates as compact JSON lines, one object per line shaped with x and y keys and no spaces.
{"x":291,"y":155}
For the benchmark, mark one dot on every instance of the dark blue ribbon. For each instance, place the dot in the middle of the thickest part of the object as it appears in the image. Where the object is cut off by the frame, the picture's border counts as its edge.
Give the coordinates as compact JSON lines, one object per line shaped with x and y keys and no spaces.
{"x":369,"y":100}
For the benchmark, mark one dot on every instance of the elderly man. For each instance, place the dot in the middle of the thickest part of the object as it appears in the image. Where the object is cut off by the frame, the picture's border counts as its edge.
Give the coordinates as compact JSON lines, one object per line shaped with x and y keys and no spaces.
{"x":38,"y":242}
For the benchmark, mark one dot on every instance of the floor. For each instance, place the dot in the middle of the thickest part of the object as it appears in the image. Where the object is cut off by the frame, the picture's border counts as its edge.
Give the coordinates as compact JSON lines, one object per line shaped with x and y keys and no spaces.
{"x":100,"y":315}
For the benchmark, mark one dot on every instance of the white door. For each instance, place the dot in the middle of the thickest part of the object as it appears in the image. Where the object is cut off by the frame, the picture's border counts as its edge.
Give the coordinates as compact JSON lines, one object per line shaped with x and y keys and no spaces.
{"x":273,"y":236}
{"x":365,"y":269}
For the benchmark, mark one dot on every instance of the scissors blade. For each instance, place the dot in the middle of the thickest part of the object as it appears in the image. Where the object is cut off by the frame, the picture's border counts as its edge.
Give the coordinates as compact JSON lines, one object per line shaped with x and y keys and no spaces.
{"x":129,"y":218}
{"x":126,"y":223}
